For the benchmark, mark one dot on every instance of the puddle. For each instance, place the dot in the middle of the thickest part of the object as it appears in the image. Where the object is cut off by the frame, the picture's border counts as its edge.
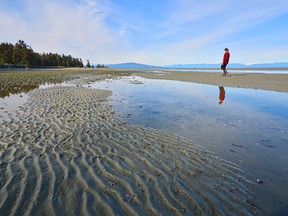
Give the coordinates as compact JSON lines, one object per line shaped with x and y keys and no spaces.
{"x":9,"y":104}
{"x":10,"y":101}
{"x":24,"y":89}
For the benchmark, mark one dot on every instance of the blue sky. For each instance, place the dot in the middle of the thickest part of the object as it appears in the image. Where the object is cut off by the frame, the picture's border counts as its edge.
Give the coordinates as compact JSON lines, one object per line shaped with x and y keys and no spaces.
{"x":156,"y":32}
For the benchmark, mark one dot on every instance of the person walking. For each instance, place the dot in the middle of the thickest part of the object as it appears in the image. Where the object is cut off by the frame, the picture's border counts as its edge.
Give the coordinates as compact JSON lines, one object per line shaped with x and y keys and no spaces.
{"x":225,"y":61}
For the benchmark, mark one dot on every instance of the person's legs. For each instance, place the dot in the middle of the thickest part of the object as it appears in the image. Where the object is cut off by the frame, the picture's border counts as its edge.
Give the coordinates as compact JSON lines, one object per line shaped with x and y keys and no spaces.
{"x":223,"y":67}
{"x":226,"y":72}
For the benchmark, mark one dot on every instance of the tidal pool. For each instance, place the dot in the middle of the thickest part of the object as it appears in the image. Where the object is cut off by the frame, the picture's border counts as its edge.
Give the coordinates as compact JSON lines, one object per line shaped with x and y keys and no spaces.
{"x":249,"y":128}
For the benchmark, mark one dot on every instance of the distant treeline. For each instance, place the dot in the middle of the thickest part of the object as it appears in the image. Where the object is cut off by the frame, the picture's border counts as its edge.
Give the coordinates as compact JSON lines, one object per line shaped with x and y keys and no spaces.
{"x":21,"y":54}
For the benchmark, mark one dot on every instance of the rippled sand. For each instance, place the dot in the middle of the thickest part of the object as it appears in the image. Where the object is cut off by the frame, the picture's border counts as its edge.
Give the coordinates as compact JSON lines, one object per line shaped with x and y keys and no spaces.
{"x":66,"y":153}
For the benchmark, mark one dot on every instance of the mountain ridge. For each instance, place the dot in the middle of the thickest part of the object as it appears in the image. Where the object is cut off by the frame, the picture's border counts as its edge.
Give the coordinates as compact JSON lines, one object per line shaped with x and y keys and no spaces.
{"x":201,"y":65}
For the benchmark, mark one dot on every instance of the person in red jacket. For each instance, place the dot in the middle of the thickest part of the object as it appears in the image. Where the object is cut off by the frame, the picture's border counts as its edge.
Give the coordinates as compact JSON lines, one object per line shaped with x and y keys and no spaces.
{"x":225,"y":61}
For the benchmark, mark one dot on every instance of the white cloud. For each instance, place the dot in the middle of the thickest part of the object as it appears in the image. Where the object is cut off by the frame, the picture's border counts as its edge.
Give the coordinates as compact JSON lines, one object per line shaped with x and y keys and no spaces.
{"x":60,"y":26}
{"x":107,"y":31}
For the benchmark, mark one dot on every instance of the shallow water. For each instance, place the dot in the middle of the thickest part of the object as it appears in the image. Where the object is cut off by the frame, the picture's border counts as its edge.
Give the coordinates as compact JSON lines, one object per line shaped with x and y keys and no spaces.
{"x":9,"y":104}
{"x":64,"y":152}
{"x":232,"y":70}
{"x":249,"y":128}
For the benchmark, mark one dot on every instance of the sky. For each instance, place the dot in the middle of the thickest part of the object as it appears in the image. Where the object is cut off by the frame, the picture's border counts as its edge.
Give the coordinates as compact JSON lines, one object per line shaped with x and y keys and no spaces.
{"x":154,"y":32}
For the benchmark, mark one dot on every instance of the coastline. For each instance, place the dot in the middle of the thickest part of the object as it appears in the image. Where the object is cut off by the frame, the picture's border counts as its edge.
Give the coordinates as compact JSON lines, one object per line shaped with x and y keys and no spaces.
{"x":272,"y":82}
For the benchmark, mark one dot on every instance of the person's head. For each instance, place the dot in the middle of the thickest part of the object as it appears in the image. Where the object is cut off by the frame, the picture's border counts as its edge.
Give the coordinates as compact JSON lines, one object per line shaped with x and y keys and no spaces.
{"x":226,"y":49}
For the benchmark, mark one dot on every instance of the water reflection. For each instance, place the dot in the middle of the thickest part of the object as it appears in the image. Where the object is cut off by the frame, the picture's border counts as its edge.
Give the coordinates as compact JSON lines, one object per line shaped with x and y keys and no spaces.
{"x":17,"y":90}
{"x":221,"y":94}
{"x":251,"y":130}
{"x":13,"y":89}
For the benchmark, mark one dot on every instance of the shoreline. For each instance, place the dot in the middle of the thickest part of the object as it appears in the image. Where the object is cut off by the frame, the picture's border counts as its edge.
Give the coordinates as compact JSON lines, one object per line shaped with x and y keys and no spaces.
{"x":273,"y":82}
{"x":270,"y":82}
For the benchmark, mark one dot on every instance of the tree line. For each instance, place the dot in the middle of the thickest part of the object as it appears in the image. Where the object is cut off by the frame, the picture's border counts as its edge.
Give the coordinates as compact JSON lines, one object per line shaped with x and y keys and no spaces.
{"x":22,"y":55}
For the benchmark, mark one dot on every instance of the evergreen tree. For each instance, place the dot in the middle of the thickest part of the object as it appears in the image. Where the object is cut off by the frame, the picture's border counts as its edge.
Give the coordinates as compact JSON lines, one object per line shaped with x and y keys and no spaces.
{"x":88,"y":64}
{"x":18,"y":53}
{"x":6,"y":52}
{"x":21,"y":54}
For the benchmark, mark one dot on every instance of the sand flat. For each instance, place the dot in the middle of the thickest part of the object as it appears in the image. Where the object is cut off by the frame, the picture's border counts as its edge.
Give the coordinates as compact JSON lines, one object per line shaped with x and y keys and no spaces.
{"x":264,"y":81}
{"x":65,"y":152}
{"x":271,"y":82}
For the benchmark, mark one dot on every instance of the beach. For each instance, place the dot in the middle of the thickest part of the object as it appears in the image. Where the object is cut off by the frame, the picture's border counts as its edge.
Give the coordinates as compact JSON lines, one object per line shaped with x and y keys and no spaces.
{"x":236,"y":78}
{"x":66,"y":152}
{"x":271,"y":82}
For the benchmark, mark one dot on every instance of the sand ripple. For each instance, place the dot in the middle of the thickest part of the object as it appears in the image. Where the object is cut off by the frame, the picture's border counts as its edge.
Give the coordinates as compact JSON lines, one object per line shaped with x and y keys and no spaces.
{"x":66,"y":153}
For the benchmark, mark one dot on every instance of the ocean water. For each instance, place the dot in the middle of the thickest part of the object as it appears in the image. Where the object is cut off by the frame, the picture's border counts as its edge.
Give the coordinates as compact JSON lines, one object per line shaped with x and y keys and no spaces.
{"x":231,"y":70}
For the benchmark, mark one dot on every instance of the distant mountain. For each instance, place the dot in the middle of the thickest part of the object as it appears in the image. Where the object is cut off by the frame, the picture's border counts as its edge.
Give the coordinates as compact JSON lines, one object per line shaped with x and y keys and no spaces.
{"x":276,"y":64}
{"x":131,"y":65}
{"x":232,"y":65}
{"x":193,"y":66}
{"x":201,"y":65}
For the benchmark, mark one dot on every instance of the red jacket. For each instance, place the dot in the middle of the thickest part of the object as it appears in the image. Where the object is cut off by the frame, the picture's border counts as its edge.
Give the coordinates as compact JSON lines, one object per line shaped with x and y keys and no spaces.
{"x":226,"y":58}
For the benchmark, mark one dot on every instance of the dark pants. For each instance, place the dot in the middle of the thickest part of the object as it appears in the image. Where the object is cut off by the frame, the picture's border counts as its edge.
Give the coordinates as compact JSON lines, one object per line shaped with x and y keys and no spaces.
{"x":223,"y":67}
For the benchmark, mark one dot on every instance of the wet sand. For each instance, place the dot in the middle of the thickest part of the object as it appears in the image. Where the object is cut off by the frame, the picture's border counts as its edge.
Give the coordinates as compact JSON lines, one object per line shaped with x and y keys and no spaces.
{"x":271,"y":82}
{"x":65,"y":152}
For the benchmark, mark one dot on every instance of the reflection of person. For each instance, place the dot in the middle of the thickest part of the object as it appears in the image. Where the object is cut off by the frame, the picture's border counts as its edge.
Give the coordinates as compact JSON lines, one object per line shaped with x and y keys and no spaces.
{"x":221,"y":94}
{"x":225,"y":61}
